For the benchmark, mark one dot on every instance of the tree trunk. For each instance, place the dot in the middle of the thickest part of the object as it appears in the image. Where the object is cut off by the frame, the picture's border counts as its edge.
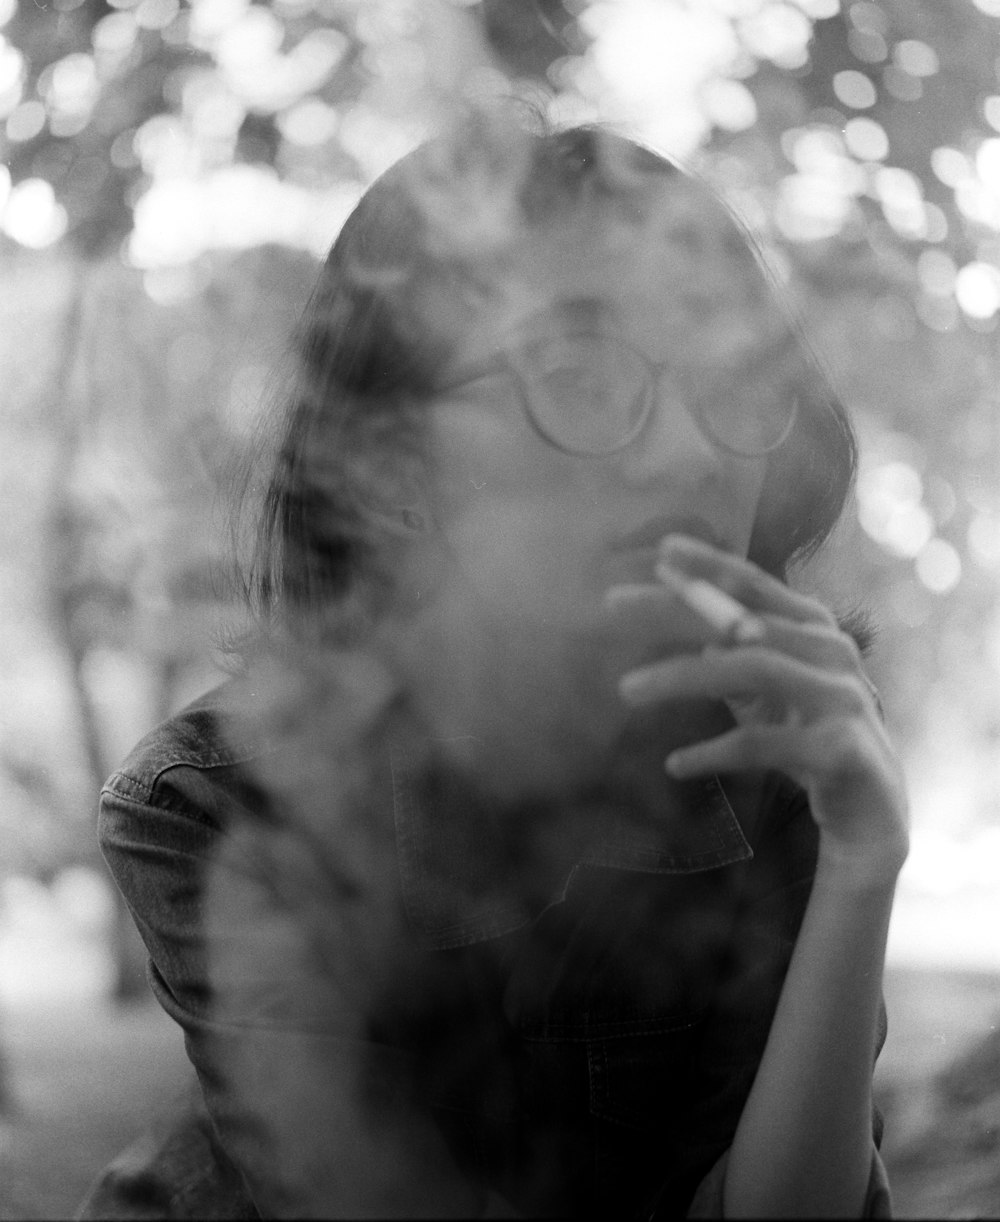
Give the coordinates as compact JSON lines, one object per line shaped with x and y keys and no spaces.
{"x":69,"y":588}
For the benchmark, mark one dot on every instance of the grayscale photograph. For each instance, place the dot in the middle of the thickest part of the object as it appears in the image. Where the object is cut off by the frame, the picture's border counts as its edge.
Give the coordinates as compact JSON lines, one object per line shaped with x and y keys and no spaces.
{"x":500,"y":609}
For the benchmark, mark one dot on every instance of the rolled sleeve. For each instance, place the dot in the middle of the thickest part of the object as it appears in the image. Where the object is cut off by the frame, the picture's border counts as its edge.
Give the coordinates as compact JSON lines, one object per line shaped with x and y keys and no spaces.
{"x":264,"y":953}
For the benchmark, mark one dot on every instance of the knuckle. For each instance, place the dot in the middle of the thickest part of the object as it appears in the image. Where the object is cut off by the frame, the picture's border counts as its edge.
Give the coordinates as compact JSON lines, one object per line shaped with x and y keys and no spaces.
{"x":822,"y":617}
{"x":846,"y":650}
{"x":753,"y":740}
{"x":841,"y":742}
{"x":854,"y":695}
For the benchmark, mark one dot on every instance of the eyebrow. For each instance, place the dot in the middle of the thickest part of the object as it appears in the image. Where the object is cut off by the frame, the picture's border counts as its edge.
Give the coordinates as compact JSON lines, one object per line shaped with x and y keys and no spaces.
{"x":583,"y":312}
{"x":573,"y":312}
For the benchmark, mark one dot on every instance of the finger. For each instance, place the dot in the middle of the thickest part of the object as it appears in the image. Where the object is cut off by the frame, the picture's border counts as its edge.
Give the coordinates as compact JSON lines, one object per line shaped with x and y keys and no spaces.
{"x":823,"y":646}
{"x":648,"y":605}
{"x":741,"y":578}
{"x":815,"y":643}
{"x":635,"y":596}
{"x":798,"y":753}
{"x":744,"y":673}
{"x":695,"y":613}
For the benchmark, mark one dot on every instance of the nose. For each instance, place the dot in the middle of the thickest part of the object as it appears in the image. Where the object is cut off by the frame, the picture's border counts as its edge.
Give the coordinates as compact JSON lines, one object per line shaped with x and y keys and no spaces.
{"x":671,"y":445}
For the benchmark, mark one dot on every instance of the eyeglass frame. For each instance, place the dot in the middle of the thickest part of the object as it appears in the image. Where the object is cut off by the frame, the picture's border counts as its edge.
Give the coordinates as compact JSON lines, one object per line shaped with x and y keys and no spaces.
{"x":503,"y":362}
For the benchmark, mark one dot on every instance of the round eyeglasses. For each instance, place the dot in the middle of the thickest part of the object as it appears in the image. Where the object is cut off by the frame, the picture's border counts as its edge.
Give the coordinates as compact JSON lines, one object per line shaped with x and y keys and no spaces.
{"x":592,"y":394}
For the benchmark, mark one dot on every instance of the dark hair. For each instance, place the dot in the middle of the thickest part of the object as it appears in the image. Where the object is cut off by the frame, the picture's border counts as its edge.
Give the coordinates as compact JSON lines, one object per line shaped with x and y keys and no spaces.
{"x":366,"y":358}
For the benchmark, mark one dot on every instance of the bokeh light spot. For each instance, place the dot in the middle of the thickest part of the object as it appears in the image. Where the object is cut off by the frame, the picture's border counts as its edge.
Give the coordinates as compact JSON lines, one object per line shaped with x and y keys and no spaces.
{"x":937,"y":272}
{"x":318,"y":54}
{"x":938,"y":313}
{"x":901,"y":84}
{"x":729,"y":105}
{"x":114,"y":36}
{"x":977,"y":289}
{"x":778,"y":32}
{"x":939,"y":566}
{"x":250,"y":42}
{"x":916,"y":57}
{"x":210,"y":18}
{"x":811,"y":207}
{"x":866,"y":139}
{"x":890,"y":509}
{"x":854,"y":89}
{"x":936,"y":223}
{"x":901,"y":196}
{"x":867,"y":45}
{"x":950,"y":165}
{"x":649,"y":60}
{"x":868,"y":16}
{"x":33,"y":217}
{"x":988,"y":162}
{"x":72,"y":86}
{"x":156,"y":14}
{"x":25,"y":121}
{"x":11,"y":66}
{"x":170,"y":286}
{"x":309,"y":123}
{"x":991,"y":111}
{"x":978,"y":203}
{"x":984,"y":539}
{"x":819,"y":10}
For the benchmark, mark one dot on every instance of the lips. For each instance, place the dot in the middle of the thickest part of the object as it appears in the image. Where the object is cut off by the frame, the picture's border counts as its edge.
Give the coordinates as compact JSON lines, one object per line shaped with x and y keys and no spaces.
{"x":632,"y":555}
{"x":649,"y":534}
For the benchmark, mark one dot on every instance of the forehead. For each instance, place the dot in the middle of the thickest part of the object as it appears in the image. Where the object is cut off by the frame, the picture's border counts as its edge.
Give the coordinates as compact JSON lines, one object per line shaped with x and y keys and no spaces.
{"x":666,"y":266}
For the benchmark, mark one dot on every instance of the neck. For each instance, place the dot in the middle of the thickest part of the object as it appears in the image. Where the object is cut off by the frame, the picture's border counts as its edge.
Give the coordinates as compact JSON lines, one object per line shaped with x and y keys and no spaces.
{"x":529,"y":710}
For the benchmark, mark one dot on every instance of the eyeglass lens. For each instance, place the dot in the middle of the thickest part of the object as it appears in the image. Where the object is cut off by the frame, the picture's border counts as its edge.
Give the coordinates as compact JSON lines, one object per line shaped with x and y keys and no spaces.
{"x":585,"y":395}
{"x":591,"y":394}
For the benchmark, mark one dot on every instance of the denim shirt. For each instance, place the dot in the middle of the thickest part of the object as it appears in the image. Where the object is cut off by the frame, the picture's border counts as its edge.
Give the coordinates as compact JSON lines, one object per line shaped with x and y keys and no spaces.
{"x":579,"y":1027}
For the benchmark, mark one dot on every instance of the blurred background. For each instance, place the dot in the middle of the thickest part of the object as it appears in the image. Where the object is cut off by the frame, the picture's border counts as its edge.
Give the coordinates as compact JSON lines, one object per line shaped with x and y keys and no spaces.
{"x":171,"y":172}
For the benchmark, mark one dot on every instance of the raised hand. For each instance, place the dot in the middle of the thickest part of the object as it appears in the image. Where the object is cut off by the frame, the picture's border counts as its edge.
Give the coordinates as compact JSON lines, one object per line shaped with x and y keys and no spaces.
{"x":801,"y":699}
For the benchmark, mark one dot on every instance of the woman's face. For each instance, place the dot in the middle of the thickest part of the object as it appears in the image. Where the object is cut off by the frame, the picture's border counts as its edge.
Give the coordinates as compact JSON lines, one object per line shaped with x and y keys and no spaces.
{"x":537,"y":534}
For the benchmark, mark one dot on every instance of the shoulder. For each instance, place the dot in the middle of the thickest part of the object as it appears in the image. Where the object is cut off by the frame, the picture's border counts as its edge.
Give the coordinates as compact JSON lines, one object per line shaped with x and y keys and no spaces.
{"x":188,"y":760}
{"x":270,"y":738}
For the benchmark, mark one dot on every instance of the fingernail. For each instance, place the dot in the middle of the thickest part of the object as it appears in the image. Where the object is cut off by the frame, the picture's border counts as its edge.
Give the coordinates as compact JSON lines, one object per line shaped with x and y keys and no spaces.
{"x":665,"y":572}
{"x":749,"y":630}
{"x":623,"y":593}
{"x":674,"y":763}
{"x":680,"y":539}
{"x":631,"y":686}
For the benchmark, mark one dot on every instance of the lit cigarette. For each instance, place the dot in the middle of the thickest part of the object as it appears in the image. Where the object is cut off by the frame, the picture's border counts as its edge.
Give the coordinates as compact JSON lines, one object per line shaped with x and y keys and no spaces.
{"x":718,"y":609}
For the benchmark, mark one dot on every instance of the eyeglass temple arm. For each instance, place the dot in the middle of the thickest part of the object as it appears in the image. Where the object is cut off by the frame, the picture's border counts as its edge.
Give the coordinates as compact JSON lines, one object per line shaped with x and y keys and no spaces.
{"x":495,"y":364}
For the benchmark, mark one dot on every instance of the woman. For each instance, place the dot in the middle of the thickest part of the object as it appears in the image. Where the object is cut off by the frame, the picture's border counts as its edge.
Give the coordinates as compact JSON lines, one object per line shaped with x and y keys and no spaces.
{"x":521,"y":872}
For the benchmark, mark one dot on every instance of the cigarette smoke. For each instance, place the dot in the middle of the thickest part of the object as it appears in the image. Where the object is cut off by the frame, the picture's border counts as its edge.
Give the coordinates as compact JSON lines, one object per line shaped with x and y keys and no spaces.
{"x":496,"y":684}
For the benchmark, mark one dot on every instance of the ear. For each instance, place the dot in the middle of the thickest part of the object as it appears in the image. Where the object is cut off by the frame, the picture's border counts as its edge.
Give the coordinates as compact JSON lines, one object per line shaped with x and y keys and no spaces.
{"x":404,"y":494}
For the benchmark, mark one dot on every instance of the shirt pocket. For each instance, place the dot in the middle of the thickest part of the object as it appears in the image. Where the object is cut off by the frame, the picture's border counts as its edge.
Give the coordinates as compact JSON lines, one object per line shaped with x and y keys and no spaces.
{"x":629,"y":1070}
{"x":639,"y":1072}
